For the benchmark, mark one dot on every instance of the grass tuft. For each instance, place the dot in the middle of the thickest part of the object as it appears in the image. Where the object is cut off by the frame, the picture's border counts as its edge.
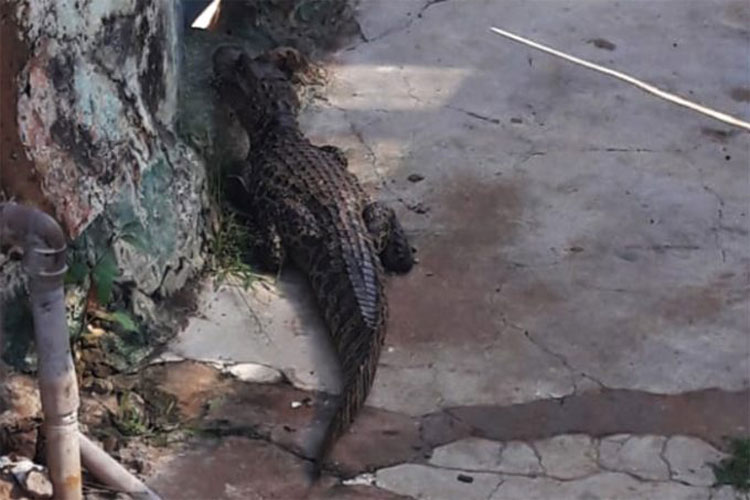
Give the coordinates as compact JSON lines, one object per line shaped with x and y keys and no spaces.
{"x":735,"y":469}
{"x":231,"y":241}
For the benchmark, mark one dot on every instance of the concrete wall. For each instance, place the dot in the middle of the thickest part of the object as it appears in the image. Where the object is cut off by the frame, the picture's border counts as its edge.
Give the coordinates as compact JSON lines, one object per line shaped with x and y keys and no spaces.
{"x":89,"y":98}
{"x":95,"y":99}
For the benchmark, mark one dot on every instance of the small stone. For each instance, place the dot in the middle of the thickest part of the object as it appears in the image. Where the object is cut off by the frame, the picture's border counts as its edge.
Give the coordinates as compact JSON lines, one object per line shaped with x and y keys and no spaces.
{"x":102,"y":386}
{"x":37,"y":484}
{"x":19,"y":399}
{"x":422,"y":481}
{"x":368,"y":478}
{"x":296,"y":404}
{"x":415,"y":177}
{"x":253,"y":372}
{"x":602,"y":43}
{"x":465,"y":479}
{"x":516,"y":120}
{"x":419,"y":208}
{"x":167,"y":357}
{"x":469,"y":454}
{"x":6,"y":487}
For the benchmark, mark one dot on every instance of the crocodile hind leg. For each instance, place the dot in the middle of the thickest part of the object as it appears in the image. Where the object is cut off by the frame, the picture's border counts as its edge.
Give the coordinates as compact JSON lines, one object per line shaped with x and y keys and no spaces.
{"x":389,"y":237}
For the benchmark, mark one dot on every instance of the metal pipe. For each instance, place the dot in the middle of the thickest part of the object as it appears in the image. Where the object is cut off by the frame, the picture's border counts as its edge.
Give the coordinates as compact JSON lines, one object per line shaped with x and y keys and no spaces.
{"x":43,"y":244}
{"x":110,"y":472}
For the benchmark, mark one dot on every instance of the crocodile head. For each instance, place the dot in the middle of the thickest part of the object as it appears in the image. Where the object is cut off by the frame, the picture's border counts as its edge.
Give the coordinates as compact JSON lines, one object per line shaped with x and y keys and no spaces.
{"x":259,"y":89}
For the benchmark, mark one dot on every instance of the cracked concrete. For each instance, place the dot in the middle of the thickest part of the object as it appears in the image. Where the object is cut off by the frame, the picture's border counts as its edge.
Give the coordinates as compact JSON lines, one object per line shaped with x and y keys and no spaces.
{"x":576,"y":466}
{"x":577,"y":324}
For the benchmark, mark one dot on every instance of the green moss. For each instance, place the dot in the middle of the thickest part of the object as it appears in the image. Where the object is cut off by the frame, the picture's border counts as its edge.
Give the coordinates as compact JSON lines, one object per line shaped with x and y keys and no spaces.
{"x":735,"y":469}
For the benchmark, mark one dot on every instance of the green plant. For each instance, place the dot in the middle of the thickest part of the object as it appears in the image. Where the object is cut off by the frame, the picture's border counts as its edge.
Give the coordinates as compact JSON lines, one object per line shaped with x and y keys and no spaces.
{"x":228,"y":249}
{"x":735,"y":469}
{"x":231,"y":241}
{"x":130,"y":418}
{"x":102,"y":275}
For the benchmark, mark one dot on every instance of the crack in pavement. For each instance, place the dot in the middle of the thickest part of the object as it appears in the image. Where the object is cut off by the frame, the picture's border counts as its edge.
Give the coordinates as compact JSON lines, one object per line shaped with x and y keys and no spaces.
{"x":398,"y":29}
{"x":372,"y":159}
{"x":635,"y":476}
{"x":574,"y":374}
{"x":263,"y":412}
{"x":672,"y":475}
{"x":716,"y":230}
{"x":473,"y":114}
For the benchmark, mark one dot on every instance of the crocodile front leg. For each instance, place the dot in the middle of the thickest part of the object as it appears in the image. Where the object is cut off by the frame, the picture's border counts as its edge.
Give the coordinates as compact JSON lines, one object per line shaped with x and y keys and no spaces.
{"x":336,"y":153}
{"x":266,"y":246}
{"x":389,"y":237}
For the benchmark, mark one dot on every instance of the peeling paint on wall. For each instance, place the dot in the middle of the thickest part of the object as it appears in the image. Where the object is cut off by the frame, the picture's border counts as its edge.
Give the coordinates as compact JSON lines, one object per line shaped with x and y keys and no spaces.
{"x":95,"y":118}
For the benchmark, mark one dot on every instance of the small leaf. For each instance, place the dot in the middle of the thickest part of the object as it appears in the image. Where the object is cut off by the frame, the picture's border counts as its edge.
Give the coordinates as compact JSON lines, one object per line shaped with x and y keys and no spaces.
{"x":104,"y":274}
{"x":134,"y":226}
{"x":77,"y":272}
{"x":125,"y":321}
{"x":133,"y":233}
{"x":135,"y":240}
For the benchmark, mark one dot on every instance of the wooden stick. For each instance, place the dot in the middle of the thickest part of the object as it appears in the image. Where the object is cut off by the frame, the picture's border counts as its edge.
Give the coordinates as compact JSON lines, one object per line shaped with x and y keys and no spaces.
{"x":723,"y":117}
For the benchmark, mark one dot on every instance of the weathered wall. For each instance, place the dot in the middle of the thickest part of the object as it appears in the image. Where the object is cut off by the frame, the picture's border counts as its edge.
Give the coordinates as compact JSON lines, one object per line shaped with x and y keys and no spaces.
{"x":95,"y":103}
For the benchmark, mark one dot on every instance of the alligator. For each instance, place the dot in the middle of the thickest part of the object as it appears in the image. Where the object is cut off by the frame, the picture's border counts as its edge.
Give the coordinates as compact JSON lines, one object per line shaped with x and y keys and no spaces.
{"x":307,"y":208}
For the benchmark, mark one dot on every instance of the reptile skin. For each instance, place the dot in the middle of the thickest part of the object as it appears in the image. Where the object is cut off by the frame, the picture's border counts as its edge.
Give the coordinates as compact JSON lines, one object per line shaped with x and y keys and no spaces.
{"x":307,"y":207}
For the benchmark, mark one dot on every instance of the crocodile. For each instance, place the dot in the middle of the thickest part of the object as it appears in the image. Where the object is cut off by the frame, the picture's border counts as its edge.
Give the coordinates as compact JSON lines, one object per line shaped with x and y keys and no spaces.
{"x":308,"y":208}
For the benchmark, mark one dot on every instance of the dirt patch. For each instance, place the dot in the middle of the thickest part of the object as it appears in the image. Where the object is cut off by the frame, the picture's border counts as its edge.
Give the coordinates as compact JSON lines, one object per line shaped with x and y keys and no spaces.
{"x":18,"y":178}
{"x":710,"y":414}
{"x":693,"y":304}
{"x":193,"y":385}
{"x":245,"y":468}
{"x":718,"y":135}
{"x":281,"y":414}
{"x":242,"y":434}
{"x":450,"y":296}
{"x":740,"y":94}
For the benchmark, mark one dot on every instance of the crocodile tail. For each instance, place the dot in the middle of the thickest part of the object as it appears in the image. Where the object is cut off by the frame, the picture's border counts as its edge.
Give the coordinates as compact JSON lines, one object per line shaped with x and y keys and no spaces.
{"x":355,"y":391}
{"x":355,"y":311}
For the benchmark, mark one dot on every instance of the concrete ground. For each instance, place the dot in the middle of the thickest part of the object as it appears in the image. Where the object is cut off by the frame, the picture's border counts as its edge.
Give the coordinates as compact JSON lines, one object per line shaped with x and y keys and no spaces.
{"x":577,"y":326}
